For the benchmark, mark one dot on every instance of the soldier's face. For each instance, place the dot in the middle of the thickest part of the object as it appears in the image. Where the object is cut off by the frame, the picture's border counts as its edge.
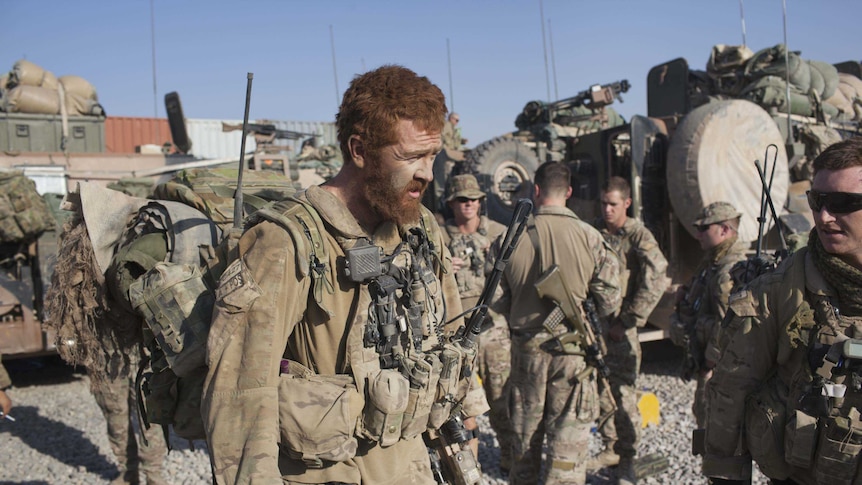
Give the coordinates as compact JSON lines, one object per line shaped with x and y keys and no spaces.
{"x":397,"y":175}
{"x":840,"y":233}
{"x":465,"y":209}
{"x":614,"y":208}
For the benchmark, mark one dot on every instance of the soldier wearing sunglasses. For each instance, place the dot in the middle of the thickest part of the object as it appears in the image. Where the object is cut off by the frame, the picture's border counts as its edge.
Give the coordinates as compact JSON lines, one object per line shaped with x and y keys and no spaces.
{"x":786,"y":392}
{"x":702,"y":303}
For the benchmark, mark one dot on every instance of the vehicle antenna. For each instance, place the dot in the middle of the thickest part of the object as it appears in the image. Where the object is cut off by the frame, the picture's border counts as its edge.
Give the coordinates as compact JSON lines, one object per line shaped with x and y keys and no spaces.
{"x":334,"y":71}
{"x":237,"y":200}
{"x":786,"y":71}
{"x":553,"y":59}
{"x":155,"y":91}
{"x":742,"y":20}
{"x":545,"y":48}
{"x":451,"y":89}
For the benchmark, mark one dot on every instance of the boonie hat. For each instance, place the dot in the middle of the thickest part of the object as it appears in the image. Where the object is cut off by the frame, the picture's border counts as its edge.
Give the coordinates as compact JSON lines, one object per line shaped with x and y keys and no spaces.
{"x":464,"y":186}
{"x":716,"y":212}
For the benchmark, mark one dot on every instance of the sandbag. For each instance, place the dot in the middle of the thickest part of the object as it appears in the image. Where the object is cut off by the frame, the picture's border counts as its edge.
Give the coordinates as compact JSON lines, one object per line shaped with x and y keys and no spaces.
{"x":78,"y":105}
{"x":771,"y":92}
{"x":31,"y":99}
{"x":711,"y":158}
{"x":727,"y":58}
{"x":771,"y":62}
{"x":79,"y":86}
{"x":829,"y":75}
{"x":26,"y":73}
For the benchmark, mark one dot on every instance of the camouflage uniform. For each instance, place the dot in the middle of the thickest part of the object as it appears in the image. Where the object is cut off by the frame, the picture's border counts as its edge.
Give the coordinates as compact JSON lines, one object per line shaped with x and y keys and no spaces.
{"x":643,"y":280}
{"x":764,"y":396}
{"x":547,"y":398}
{"x":267,"y":311}
{"x":705,"y":303}
{"x":117,"y":398}
{"x":495,"y":346}
{"x":451,"y":136}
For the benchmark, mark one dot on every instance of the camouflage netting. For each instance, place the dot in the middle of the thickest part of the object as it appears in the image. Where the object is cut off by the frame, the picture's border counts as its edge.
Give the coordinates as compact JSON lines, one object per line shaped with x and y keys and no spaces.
{"x":91,"y":330}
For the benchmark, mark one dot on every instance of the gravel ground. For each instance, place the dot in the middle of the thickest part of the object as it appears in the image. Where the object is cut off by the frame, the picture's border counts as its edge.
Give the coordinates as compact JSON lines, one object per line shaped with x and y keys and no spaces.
{"x":59,"y":435}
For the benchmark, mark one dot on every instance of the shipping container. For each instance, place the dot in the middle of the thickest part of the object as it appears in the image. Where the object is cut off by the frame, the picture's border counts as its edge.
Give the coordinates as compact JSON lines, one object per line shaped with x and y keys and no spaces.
{"x":124,"y":134}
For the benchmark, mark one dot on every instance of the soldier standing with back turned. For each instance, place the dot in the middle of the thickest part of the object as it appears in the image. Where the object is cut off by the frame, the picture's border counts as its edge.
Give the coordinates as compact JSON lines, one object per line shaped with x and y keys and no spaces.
{"x":553,"y":393}
{"x":786,"y":392}
{"x":643,"y":281}
{"x":468,"y":235}
{"x":702,"y":303}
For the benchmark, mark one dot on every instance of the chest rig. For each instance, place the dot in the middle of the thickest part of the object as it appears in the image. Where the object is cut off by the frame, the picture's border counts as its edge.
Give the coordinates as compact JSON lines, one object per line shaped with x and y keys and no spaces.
{"x":473,"y":250}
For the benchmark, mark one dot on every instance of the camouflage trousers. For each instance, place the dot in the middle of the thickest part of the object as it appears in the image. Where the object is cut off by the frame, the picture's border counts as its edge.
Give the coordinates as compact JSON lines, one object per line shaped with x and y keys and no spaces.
{"x":117,"y":399}
{"x":621,"y":431}
{"x":548,"y":401}
{"x":494,"y":363}
{"x":698,"y":408}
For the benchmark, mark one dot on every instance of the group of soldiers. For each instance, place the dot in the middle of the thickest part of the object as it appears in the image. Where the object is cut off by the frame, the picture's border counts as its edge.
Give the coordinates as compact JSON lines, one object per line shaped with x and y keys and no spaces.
{"x":337,"y":352}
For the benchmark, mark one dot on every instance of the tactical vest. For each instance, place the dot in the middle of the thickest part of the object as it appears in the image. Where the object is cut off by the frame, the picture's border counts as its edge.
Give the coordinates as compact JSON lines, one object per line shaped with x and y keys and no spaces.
{"x":401,"y":378}
{"x":473,"y":250}
{"x":807,"y":414}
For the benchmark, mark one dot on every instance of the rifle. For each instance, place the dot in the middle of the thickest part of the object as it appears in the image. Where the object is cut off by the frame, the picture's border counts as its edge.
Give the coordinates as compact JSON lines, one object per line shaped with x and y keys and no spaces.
{"x":694,"y":358}
{"x":448,"y":445}
{"x":586,"y":335}
{"x":266,"y":131}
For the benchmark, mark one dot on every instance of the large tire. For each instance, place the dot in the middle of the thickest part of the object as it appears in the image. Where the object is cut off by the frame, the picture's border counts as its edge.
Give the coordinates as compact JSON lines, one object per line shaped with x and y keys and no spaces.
{"x":504,"y":168}
{"x":711,"y":158}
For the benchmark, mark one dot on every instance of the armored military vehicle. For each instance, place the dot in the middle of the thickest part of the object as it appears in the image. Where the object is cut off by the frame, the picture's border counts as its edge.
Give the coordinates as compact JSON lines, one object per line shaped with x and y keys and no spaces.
{"x":697,"y":144}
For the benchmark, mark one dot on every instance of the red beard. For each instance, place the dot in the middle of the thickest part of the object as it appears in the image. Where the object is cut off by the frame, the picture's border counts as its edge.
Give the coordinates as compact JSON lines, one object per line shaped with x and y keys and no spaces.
{"x":391,"y":203}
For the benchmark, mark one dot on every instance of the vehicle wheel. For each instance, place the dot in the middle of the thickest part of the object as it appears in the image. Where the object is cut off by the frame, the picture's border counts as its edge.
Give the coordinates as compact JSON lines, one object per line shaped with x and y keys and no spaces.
{"x":504,"y":168}
{"x":711,"y":158}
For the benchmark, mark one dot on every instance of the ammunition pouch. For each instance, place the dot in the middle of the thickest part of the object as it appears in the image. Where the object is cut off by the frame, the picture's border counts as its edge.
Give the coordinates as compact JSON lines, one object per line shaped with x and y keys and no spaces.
{"x":318,"y":415}
{"x":449,"y":385}
{"x":387,"y":398}
{"x":424,"y":376}
{"x":765,"y":418}
{"x":177,"y":307}
{"x":679,"y":333}
{"x":838,"y":451}
{"x":175,"y":401}
{"x":800,"y":439}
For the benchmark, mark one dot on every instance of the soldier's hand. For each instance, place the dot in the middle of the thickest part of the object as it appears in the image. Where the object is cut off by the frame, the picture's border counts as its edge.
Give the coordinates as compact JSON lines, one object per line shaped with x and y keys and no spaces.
{"x":5,"y":403}
{"x":457,"y":264}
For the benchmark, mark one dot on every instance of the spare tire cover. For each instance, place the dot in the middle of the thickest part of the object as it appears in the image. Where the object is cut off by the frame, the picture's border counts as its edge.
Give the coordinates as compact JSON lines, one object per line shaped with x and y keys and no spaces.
{"x":711,"y":158}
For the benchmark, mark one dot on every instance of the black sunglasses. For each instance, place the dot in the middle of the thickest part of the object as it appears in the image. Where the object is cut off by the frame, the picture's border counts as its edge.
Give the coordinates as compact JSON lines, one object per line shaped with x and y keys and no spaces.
{"x":834,"y":202}
{"x":463,"y":199}
{"x":702,"y":227}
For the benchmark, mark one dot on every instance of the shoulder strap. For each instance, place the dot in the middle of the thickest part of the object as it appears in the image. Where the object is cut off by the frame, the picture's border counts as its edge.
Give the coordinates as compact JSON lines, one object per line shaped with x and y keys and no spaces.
{"x":301,"y":220}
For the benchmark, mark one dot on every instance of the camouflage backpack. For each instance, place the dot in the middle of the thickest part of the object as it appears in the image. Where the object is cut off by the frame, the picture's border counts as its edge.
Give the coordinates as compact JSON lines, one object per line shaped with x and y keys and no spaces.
{"x":24,"y":215}
{"x":173,"y":253}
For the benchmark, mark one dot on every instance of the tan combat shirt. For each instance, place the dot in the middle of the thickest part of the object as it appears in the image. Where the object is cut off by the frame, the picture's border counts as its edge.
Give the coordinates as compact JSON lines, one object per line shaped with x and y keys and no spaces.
{"x":766,"y":337}
{"x":241,"y":400}
{"x":474,"y":250}
{"x":644,"y":270}
{"x":587,"y":263}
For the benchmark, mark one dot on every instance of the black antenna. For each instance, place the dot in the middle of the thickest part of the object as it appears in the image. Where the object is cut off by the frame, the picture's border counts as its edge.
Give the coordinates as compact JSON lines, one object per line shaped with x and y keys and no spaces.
{"x":237,"y":199}
{"x":334,"y":71}
{"x":767,"y":195}
{"x":786,"y":71}
{"x":553,"y":59}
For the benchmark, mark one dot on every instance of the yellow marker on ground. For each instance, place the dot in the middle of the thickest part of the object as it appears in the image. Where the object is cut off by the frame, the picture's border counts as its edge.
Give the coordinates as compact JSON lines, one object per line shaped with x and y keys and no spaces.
{"x":649,"y":408}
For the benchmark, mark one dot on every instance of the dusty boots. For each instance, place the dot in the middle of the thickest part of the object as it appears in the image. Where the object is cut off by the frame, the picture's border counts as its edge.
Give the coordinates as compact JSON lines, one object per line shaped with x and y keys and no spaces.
{"x":604,"y":459}
{"x":626,"y":472}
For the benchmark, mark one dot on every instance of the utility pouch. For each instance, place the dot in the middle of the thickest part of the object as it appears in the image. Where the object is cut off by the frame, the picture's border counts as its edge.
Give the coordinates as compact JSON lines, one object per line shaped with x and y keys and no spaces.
{"x":447,"y":387}
{"x":800,"y":439}
{"x":317,"y":417}
{"x":387,"y":396}
{"x":838,"y":451}
{"x":160,"y":396}
{"x":177,"y":306}
{"x":187,"y":420}
{"x":765,"y":419}
{"x":423,"y":380}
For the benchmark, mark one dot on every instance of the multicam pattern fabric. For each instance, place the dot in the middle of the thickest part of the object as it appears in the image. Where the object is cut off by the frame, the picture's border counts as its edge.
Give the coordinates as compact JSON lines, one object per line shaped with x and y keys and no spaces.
{"x":704,"y":306}
{"x":494,"y":354}
{"x":264,"y":315}
{"x":117,"y":398}
{"x":643,"y":280}
{"x":548,"y":398}
{"x":774,"y":326}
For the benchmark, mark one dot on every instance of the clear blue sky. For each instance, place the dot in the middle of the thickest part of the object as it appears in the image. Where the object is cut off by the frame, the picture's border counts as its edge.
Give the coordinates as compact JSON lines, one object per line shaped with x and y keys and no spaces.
{"x":204,"y":48}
